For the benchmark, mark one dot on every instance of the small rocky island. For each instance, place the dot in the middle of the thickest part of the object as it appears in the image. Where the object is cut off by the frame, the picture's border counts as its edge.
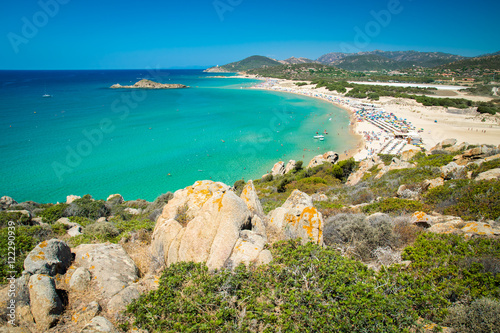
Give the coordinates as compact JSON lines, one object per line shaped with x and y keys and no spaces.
{"x":148,"y":84}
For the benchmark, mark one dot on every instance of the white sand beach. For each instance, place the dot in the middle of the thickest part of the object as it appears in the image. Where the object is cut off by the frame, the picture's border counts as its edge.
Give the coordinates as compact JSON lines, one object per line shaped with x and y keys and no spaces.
{"x":434,"y":124}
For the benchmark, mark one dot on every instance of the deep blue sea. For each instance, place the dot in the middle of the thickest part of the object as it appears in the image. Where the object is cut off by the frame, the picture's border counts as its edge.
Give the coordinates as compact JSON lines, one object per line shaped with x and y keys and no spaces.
{"x":90,"y":139}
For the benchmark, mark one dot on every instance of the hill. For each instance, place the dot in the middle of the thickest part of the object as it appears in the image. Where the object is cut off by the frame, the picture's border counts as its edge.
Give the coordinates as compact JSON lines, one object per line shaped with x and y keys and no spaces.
{"x":478,"y":63}
{"x":252,"y":62}
{"x":304,"y":71}
{"x":368,"y":62}
{"x":293,"y":61}
{"x":387,"y":60}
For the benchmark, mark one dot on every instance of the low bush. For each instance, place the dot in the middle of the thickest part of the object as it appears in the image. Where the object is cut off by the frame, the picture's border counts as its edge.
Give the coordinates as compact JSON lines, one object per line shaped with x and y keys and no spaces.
{"x":358,"y":236}
{"x":102,"y":230}
{"x":435,"y":160}
{"x":440,"y":277}
{"x":53,"y":213}
{"x":469,"y":199}
{"x":17,"y":217}
{"x":59,"y":229}
{"x":306,"y":288}
{"x":481,"y":316}
{"x":238,"y":186}
{"x":486,"y":166}
{"x":395,"y":206}
{"x":86,"y":207}
{"x":26,"y":238}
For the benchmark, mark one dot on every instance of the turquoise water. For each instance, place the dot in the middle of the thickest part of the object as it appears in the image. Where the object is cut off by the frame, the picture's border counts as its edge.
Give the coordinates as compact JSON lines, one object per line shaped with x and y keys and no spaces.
{"x":91,"y":139}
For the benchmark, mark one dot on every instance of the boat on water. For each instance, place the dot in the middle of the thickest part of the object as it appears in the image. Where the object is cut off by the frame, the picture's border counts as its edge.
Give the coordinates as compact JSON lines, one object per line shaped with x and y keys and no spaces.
{"x":319,"y":137}
{"x":46,"y":96}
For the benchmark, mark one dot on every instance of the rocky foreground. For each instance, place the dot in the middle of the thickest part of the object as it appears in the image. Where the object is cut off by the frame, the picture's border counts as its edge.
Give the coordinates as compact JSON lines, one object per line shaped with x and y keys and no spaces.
{"x":86,"y":288}
{"x":148,"y":84}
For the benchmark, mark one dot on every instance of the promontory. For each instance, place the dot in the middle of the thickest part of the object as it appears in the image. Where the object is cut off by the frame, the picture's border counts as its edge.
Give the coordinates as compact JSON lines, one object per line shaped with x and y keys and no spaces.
{"x":148,"y":84}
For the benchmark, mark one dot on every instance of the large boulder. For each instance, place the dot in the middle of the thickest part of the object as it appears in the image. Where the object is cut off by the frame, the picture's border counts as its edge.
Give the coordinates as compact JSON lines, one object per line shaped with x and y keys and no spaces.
{"x":110,"y":266}
{"x":46,"y":306}
{"x":115,"y":198}
{"x":86,"y":312}
{"x":99,"y":325}
{"x":429,"y":184}
{"x":297,"y":218}
{"x":247,"y":250}
{"x":453,"y":171}
{"x":71,"y":198}
{"x":290,"y":166}
{"x":80,"y":280}
{"x":489,"y":175}
{"x":278,"y":169}
{"x":249,"y":196}
{"x":328,"y":157}
{"x":444,"y":144}
{"x":480,"y":229}
{"x":407,"y":155}
{"x":202,"y":223}
{"x":409,"y":192}
{"x":364,"y":166}
{"x":396,"y":164}
{"x":6,"y":202}
{"x":49,"y":257}
{"x":120,"y":301}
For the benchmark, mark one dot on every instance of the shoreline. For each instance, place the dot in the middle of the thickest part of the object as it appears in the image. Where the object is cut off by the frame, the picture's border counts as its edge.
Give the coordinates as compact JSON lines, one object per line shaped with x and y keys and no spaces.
{"x":435,"y":124}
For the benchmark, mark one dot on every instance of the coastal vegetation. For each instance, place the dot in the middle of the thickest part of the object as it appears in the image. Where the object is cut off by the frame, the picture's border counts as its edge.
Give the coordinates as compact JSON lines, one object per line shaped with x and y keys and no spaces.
{"x":377,"y":271}
{"x":314,"y":288}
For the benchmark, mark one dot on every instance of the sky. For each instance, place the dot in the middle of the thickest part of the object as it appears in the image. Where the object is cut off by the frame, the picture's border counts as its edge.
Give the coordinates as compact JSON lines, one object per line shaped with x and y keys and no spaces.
{"x":125,"y":34}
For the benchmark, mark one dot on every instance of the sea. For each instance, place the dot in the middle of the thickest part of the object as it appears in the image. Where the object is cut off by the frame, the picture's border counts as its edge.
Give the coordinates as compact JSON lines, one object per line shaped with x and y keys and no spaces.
{"x":89,"y":139}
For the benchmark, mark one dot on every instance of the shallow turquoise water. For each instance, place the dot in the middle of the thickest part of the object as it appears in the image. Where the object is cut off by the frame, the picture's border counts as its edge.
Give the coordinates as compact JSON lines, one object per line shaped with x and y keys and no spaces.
{"x":91,"y":139}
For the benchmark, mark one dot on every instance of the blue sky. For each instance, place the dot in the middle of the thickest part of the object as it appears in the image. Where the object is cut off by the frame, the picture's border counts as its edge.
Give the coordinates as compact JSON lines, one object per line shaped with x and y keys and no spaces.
{"x":88,"y":34}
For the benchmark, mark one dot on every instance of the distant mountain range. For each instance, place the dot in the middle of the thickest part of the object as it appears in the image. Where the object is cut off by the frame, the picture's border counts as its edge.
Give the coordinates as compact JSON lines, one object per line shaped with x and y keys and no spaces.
{"x":489,"y":61}
{"x":362,"y":61}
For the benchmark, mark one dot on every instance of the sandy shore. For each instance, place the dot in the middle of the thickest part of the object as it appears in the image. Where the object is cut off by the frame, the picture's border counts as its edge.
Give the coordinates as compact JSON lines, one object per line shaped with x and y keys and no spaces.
{"x":437,"y":123}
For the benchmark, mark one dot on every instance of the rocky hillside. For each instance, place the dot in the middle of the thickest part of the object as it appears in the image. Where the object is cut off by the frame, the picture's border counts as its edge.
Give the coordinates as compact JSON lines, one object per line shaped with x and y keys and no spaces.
{"x":328,"y":237}
{"x":387,"y":60}
{"x":489,"y":62}
{"x":252,"y":62}
{"x":293,"y":61}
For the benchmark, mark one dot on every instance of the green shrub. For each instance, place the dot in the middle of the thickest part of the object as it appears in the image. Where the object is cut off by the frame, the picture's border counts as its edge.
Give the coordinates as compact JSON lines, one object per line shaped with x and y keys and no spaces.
{"x":267,"y":178}
{"x":394,"y":206}
{"x":337,"y":172}
{"x":386,"y":158}
{"x":358,"y":235}
{"x":468,"y":199}
{"x":17,"y":217}
{"x":446,"y":269}
{"x":313,"y":180}
{"x":298,"y":166}
{"x":307,"y":288}
{"x":86,"y":207}
{"x":238,"y":186}
{"x":159,"y":202}
{"x":26,"y":238}
{"x":486,"y":166}
{"x":59,"y":229}
{"x":83,"y":221}
{"x":103,"y":231}
{"x":435,"y":160}
{"x":53,"y":213}
{"x":481,"y":316}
